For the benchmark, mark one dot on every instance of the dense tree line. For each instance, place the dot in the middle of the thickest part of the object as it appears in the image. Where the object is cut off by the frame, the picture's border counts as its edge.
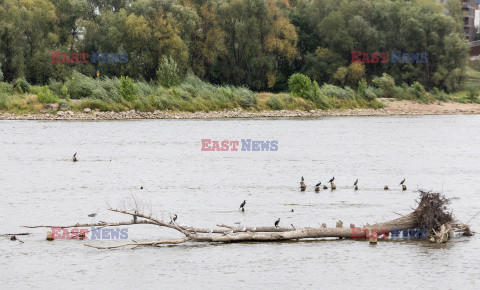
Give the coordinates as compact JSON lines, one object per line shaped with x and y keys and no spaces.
{"x":257,"y":43}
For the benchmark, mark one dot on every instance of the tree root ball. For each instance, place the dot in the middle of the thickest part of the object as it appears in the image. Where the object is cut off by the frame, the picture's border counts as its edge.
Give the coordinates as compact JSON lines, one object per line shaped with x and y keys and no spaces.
{"x":385,"y":187}
{"x":404,"y":187}
{"x":333,"y":186}
{"x":49,"y":236}
{"x":356,"y":187}
{"x":325,"y":187}
{"x":317,"y":188}
{"x":302,"y":186}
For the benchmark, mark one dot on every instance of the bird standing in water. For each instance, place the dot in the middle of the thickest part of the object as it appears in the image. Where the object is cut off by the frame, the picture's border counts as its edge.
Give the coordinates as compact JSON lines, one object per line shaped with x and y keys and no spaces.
{"x":75,"y":157}
{"x":401,"y":183}
{"x":277,"y":222}
{"x":331,"y":180}
{"x":243,"y":204}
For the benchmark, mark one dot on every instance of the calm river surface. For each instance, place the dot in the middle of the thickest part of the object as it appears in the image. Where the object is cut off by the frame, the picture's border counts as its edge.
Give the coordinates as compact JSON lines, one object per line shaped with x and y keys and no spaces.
{"x":40,"y":185}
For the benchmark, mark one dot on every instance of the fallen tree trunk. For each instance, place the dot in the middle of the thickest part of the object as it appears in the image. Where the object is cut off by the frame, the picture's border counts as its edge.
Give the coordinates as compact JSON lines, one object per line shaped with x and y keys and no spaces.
{"x":430,"y":214}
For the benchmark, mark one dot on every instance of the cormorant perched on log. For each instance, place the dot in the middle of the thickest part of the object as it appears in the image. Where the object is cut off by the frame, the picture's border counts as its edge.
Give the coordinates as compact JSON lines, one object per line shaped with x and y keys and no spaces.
{"x":75,"y":157}
{"x":401,"y":183}
{"x":174,"y":218}
{"x":331,"y":180}
{"x":243,"y":204}
{"x":356,"y":182}
{"x":277,"y":222}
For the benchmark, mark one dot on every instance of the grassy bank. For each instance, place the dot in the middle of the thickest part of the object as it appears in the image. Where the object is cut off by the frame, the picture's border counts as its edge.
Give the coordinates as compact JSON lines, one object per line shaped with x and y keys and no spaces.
{"x":193,"y":94}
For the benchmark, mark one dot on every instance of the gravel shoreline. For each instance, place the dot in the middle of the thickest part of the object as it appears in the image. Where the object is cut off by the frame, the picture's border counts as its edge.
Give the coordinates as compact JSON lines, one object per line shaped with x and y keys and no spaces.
{"x":236,"y":113}
{"x":391,"y":108}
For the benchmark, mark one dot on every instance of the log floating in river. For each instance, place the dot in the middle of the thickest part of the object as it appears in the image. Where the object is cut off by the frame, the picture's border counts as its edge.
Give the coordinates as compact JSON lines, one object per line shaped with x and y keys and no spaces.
{"x":430,"y":214}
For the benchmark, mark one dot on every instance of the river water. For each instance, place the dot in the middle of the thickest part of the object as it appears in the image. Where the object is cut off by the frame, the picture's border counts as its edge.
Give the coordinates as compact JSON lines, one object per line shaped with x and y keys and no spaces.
{"x":40,"y":185}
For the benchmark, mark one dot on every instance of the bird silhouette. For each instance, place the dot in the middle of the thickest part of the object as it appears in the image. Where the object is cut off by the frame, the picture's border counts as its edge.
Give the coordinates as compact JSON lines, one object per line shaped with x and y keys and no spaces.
{"x":92,"y":214}
{"x":243,"y":204}
{"x":401,"y":183}
{"x":174,"y":218}
{"x":303,"y":179}
{"x":75,"y":157}
{"x":356,"y":181}
{"x":277,"y":222}
{"x":141,"y":187}
{"x":331,"y":180}
{"x":318,"y":184}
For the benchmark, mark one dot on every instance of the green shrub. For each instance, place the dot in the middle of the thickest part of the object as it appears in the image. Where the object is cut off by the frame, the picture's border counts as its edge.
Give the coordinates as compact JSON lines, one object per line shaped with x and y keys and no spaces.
{"x":127,"y":88}
{"x":46,"y":96}
{"x":440,"y":95}
{"x":337,"y":92}
{"x":23,"y":84}
{"x":472,"y":95}
{"x":111,"y":87}
{"x":168,"y":73}
{"x":275,"y":104}
{"x":247,"y":98}
{"x":58,"y":88}
{"x":81,"y":86}
{"x":418,"y":90}
{"x":5,"y":102}
{"x":1,"y":73}
{"x":300,"y":85}
{"x":370,"y":94}
{"x":362,"y":88}
{"x":386,"y":83}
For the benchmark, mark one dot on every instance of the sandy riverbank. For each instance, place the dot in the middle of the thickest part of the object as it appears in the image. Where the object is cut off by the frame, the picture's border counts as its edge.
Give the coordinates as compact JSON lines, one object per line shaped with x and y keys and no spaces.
{"x":391,"y":108}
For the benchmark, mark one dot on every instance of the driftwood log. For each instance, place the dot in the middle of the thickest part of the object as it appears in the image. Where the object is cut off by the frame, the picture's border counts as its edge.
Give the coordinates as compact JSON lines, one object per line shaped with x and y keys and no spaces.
{"x":430,"y":214}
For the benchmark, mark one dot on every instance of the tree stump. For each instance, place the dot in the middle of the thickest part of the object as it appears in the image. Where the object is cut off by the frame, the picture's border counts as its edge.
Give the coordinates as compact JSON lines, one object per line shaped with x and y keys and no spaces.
{"x":385,"y":187}
{"x":339,"y":224}
{"x":49,"y":236}
{"x":333,"y":186}
{"x":325,"y":187}
{"x":404,"y":187}
{"x":317,"y":188}
{"x":356,"y":187}
{"x":302,"y":186}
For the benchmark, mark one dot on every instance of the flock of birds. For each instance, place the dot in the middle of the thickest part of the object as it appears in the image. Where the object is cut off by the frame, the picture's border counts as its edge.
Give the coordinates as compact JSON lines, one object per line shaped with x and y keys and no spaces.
{"x":333,"y":186}
{"x":242,"y":205}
